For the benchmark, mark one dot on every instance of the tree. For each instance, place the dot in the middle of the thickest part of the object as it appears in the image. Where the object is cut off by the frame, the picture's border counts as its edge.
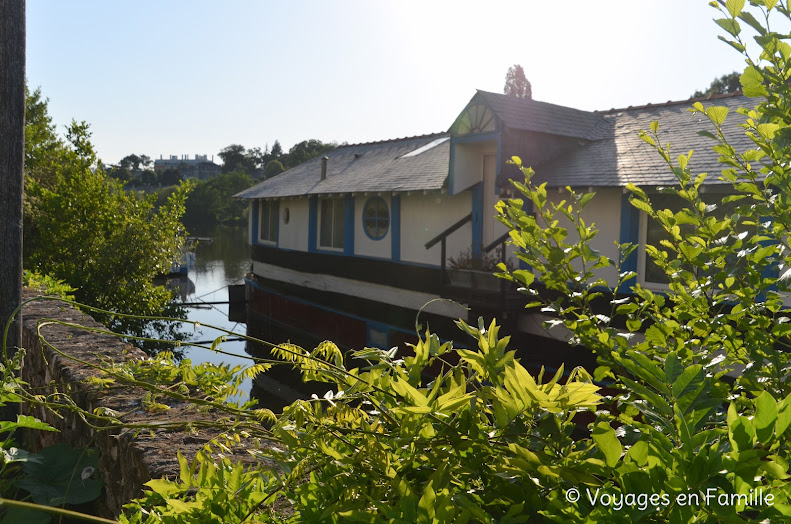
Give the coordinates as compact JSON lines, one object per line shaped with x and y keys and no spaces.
{"x":273,"y":167}
{"x":12,"y":157}
{"x":236,"y":158}
{"x":305,"y":150}
{"x":42,"y":145}
{"x":277,"y":151}
{"x":149,"y":177}
{"x":719,"y":86}
{"x":170,"y":177}
{"x":82,"y":227}
{"x":517,"y":84}
{"x":210,"y":202}
{"x":131,"y":162}
{"x":119,"y":173}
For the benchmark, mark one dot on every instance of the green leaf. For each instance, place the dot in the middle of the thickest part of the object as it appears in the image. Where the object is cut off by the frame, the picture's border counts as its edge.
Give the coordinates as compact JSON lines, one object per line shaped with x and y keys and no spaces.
{"x":673,"y":367}
{"x":689,"y":381}
{"x":17,"y":515}
{"x":765,"y":417}
{"x":25,"y":421}
{"x":783,"y":416}
{"x":163,"y":487}
{"x":734,"y":44}
{"x":734,"y":7}
{"x":605,"y":439}
{"x":185,"y":471}
{"x":741,"y":431}
{"x":730,"y":25}
{"x":633,"y":324}
{"x":752,"y":22}
{"x":708,"y":134}
{"x":62,"y":475}
{"x":585,"y":199}
{"x":752,"y":82}
{"x":717,"y":114}
{"x":767,"y":131}
{"x":641,"y":205}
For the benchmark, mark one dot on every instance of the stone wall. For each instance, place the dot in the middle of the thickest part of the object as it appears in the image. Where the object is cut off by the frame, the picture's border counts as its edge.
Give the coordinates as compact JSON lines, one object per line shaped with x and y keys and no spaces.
{"x":127,"y":460}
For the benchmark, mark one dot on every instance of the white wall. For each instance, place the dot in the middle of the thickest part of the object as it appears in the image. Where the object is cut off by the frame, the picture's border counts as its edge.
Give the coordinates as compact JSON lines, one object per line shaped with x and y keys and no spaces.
{"x":468,"y":164}
{"x":294,"y":235}
{"x":423,"y":217}
{"x":604,"y":212}
{"x":363,"y":244}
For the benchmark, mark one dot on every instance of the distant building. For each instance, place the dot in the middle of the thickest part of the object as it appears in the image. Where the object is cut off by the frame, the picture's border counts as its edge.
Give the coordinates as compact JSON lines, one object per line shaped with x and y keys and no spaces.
{"x":199,"y":167}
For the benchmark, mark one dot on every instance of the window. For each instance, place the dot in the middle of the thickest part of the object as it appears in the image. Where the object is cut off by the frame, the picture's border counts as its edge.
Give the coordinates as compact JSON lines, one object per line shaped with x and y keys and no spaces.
{"x":267,"y":221}
{"x":331,"y":218}
{"x":376,"y":218}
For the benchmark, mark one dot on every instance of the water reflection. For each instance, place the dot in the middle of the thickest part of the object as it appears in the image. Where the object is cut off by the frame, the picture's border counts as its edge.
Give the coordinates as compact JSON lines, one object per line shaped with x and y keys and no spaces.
{"x":220,"y":262}
{"x":224,"y":261}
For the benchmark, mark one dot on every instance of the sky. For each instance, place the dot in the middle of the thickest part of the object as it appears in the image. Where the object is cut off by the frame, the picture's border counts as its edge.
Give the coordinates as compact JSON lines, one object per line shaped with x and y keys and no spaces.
{"x":173,"y":77}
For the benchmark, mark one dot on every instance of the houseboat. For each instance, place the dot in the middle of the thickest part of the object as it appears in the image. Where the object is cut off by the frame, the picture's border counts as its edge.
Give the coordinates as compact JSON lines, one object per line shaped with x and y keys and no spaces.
{"x":364,"y":243}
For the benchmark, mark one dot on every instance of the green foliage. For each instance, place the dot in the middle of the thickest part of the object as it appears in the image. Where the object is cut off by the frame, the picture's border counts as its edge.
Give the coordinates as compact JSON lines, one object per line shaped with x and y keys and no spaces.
{"x":482,"y":440}
{"x":61,"y":475}
{"x":83,"y":228}
{"x":204,"y":381}
{"x":273,"y":167}
{"x":719,"y":86}
{"x":517,"y":84}
{"x":50,"y":285}
{"x":704,"y":386}
{"x":696,"y":429}
{"x":209,"y":489}
{"x":170,"y":177}
{"x":55,"y":476}
{"x":304,"y":151}
{"x":236,"y":158}
{"x":210,"y":203}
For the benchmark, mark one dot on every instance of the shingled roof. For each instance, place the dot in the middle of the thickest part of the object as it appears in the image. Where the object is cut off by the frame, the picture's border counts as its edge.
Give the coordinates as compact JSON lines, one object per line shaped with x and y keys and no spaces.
{"x":525,"y":114}
{"x":387,"y":166}
{"x":618,"y":156}
{"x":609,"y":153}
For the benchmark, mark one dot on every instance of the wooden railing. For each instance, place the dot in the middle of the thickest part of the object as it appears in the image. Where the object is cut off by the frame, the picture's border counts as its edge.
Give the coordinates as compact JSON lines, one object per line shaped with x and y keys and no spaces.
{"x":442,"y":237}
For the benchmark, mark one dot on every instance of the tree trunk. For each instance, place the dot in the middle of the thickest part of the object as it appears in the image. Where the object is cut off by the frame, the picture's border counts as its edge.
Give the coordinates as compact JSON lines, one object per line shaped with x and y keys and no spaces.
{"x":12,"y":159}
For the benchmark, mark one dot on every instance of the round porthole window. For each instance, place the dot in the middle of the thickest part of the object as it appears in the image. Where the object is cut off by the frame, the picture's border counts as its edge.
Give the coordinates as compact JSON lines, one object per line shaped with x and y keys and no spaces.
{"x":286,"y":215}
{"x":376,"y":218}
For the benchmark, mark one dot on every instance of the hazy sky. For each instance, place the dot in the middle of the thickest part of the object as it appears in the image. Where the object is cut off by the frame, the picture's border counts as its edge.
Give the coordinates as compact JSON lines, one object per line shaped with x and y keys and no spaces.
{"x":172,"y":77}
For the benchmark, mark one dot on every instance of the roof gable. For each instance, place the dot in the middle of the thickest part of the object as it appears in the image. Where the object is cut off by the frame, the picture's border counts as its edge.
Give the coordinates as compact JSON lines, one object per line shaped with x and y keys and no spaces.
{"x":526,"y":114}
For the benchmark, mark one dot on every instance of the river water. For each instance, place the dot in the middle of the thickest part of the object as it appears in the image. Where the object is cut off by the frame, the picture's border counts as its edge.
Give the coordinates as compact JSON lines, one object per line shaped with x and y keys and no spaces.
{"x":222,"y":261}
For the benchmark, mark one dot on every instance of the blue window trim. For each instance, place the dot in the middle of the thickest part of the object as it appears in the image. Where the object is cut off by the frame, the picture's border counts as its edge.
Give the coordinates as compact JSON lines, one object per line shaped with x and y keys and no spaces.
{"x":256,"y":205}
{"x":395,"y":228}
{"x":630,"y":232}
{"x":313,"y":222}
{"x":378,"y":219}
{"x":348,"y":226}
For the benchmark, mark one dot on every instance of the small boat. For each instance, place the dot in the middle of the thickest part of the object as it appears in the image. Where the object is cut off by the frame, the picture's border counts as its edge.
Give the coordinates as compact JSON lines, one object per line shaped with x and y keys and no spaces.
{"x":187,"y":261}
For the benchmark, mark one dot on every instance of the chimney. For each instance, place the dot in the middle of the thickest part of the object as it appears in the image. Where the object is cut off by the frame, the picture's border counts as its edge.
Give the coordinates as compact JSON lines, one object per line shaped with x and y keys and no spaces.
{"x":324,"y":167}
